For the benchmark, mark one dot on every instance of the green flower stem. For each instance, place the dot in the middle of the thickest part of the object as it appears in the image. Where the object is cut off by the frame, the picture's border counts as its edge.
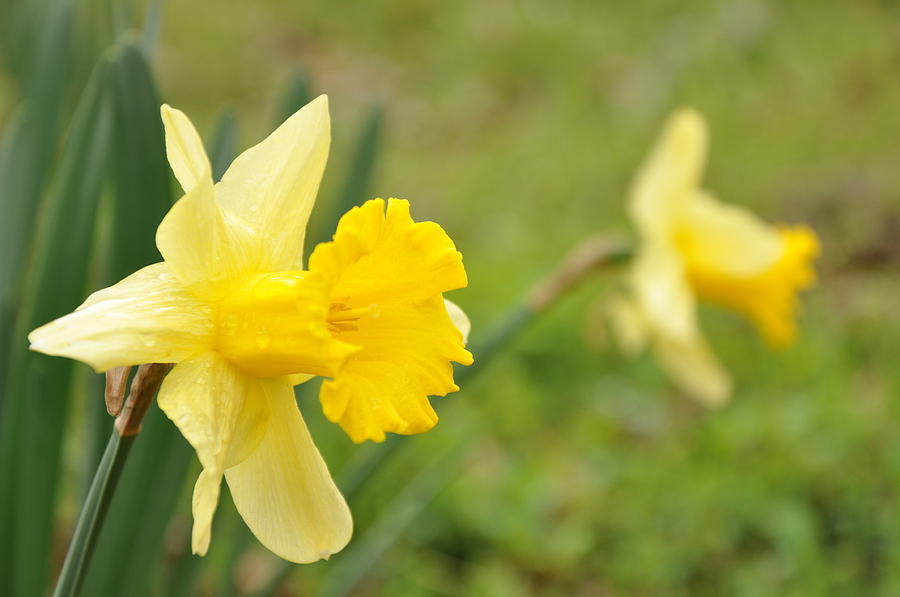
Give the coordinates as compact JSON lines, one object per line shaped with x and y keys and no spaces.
{"x":594,"y":254}
{"x":128,"y":424}
{"x":92,"y":514}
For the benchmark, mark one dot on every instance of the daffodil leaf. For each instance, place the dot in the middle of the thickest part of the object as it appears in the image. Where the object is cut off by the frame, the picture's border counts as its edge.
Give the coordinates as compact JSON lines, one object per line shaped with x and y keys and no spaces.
{"x":38,"y":386}
{"x":20,"y":24}
{"x":29,"y":143}
{"x":223,"y":143}
{"x":297,"y":94}
{"x":141,"y":173}
{"x":357,"y":182}
{"x":356,"y":188}
{"x":152,"y":24}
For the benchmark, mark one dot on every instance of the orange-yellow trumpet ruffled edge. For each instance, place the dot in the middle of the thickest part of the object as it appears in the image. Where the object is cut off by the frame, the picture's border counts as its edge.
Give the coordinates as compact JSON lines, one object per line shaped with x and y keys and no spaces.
{"x":691,"y":246}
{"x":231,"y":305}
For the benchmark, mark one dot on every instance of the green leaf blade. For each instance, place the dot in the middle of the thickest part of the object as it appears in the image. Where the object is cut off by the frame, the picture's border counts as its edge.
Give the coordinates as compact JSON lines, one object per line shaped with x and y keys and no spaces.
{"x":37,"y":387}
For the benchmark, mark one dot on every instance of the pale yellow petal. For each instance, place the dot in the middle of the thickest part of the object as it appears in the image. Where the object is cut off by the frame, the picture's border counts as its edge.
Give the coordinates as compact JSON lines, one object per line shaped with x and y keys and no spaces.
{"x":662,"y":292}
{"x":204,"y":502}
{"x":628,"y":323}
{"x":146,"y":318}
{"x":691,"y":365}
{"x":670,"y":173}
{"x":284,"y":491}
{"x":203,"y":245}
{"x":185,"y":150}
{"x":459,"y":319}
{"x":273,"y":185}
{"x":224,"y":415}
{"x":299,"y":378}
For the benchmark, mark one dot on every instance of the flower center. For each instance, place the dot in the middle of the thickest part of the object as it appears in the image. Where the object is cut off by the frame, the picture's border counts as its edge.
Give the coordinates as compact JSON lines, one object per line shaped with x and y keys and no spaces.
{"x":342,"y":318}
{"x":279,"y":324}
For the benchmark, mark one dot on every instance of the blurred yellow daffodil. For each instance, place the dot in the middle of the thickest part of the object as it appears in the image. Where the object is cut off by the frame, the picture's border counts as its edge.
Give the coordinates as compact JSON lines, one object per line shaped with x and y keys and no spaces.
{"x":694,"y":247}
{"x":232,"y":307}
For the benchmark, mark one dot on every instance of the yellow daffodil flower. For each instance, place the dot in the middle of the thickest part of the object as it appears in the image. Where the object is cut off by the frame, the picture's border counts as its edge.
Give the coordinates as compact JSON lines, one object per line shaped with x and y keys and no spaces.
{"x":694,"y":247}
{"x":232,"y":307}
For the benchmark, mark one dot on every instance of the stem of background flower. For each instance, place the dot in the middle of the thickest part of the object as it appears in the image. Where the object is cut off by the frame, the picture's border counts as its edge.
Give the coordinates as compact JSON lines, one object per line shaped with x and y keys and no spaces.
{"x":594,"y":254}
{"x":146,"y":382}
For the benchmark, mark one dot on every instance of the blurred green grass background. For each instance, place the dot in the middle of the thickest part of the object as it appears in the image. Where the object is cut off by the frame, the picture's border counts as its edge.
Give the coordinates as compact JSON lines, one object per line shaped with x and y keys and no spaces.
{"x":518,"y":125}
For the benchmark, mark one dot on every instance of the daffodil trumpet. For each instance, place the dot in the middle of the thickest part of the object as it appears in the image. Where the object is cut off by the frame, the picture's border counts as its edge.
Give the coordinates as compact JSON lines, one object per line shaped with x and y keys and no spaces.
{"x":233,"y":308}
{"x":694,"y":248}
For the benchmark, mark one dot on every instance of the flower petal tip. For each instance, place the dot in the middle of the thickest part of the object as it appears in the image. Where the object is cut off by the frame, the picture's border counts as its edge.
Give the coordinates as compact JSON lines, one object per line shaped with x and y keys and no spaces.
{"x":688,"y":122}
{"x":319,"y":105}
{"x":716,"y":399}
{"x":199,"y":543}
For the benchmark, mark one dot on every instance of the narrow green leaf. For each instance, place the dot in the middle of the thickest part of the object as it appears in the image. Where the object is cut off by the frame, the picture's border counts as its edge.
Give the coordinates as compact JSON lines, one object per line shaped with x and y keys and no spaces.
{"x":152,"y":25}
{"x":142,"y":182}
{"x":31,"y":141}
{"x":130,"y":547}
{"x":357,"y":183}
{"x":121,"y":14}
{"x":20,"y":24}
{"x":223,"y":143}
{"x":297,"y":93}
{"x":38,"y":386}
{"x":8,"y":149}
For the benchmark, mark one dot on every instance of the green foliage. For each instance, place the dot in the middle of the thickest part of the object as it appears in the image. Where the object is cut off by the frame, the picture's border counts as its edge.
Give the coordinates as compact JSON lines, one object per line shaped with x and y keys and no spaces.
{"x":37,"y":404}
{"x":27,"y":146}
